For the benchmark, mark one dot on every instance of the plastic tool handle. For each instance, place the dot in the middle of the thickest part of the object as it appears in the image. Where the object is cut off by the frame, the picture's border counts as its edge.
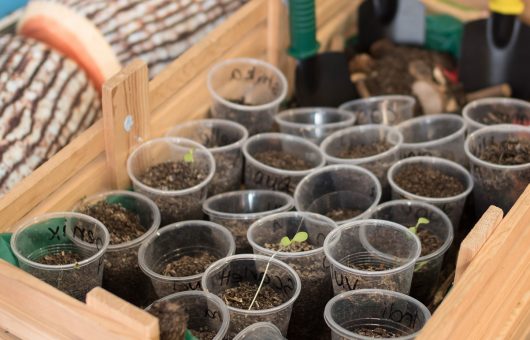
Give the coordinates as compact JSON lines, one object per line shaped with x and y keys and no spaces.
{"x":385,"y":10}
{"x":507,"y":7}
{"x":302,"y":22}
{"x":503,"y":18}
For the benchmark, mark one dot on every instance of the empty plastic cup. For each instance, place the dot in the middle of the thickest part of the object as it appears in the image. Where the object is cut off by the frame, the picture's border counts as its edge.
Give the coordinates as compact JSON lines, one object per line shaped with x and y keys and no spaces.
{"x":387,"y":110}
{"x":248,"y":91}
{"x":260,"y":331}
{"x":493,"y":111}
{"x":372,"y":254}
{"x":63,"y":249}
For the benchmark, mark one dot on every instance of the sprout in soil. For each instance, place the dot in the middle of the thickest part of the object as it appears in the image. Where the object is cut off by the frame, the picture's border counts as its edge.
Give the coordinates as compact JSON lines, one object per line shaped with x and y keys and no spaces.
{"x":421,"y":220}
{"x":300,"y":237}
{"x":188,"y":157}
{"x":189,"y":336}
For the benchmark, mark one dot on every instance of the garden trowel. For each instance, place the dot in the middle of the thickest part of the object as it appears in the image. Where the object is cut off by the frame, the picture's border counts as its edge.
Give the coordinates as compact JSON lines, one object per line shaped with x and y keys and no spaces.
{"x":496,"y":50}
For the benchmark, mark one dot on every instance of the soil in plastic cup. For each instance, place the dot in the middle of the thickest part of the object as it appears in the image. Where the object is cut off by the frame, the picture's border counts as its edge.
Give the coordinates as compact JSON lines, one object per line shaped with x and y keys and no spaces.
{"x":387,"y":110}
{"x":452,"y":206}
{"x":495,"y":184}
{"x":58,"y":237}
{"x":179,"y":240}
{"x":248,"y":91}
{"x":493,"y":111}
{"x":311,"y":265}
{"x":249,"y":269}
{"x":206,"y":312}
{"x":260,"y":331}
{"x":259,"y":175}
{"x":237,"y":210}
{"x":314,"y":123}
{"x":372,"y":254}
{"x":224,"y":140}
{"x":122,"y":275}
{"x":174,"y":205}
{"x":428,"y":266}
{"x":342,"y":192}
{"x":376,"y":311}
{"x":337,"y":146}
{"x":439,"y":135}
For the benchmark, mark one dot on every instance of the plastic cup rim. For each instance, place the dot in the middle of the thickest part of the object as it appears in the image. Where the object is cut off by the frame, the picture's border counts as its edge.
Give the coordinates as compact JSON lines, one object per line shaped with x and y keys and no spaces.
{"x":486,"y":101}
{"x":440,"y":116}
{"x":397,"y":97}
{"x":280,"y":118}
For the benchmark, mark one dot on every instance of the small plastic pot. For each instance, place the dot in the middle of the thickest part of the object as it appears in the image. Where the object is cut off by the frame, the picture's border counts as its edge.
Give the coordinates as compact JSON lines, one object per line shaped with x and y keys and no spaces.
{"x":451,"y":206}
{"x":237,"y":210}
{"x":206,"y":312}
{"x":372,"y":254}
{"x":428,"y":266}
{"x":441,"y":135}
{"x":342,"y":141}
{"x":188,"y":238}
{"x":495,"y":184}
{"x":313,"y":123}
{"x":349,"y":188}
{"x":368,"y":309}
{"x":231,"y":271}
{"x":248,"y":91}
{"x":122,"y":275}
{"x":387,"y":110}
{"x":259,"y":175}
{"x":260,"y":331}
{"x":174,"y":205}
{"x":224,"y":140}
{"x":311,"y":266}
{"x":55,"y":233}
{"x":492,"y":111}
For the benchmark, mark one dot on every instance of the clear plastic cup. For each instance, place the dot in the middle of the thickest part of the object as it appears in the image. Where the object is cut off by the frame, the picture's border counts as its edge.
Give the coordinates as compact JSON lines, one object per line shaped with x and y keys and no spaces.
{"x":429,"y":264}
{"x":499,"y":185}
{"x":237,"y":210}
{"x":260,"y":331}
{"x":174,"y":205}
{"x":339,"y":142}
{"x":262,"y":176}
{"x":206,"y":312}
{"x":122,"y":275}
{"x":231,"y":271}
{"x":224,"y":140}
{"x":175,"y":241}
{"x":248,"y":91}
{"x":492,"y":111}
{"x":342,"y":192}
{"x":401,"y":316}
{"x":63,"y":233}
{"x":387,"y":110}
{"x":441,"y":135}
{"x":372,"y":254}
{"x":311,"y":266}
{"x":313,"y":123}
{"x":452,"y":206}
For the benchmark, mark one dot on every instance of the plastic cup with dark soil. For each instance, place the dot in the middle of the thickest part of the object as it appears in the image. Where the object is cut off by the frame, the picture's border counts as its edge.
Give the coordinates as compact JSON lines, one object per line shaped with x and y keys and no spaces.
{"x":130,"y":219}
{"x":201,"y":314}
{"x":224,"y":140}
{"x":176,"y":257}
{"x":387,"y":110}
{"x":500,"y":165}
{"x":343,"y":193}
{"x":493,"y":111}
{"x":307,"y":258}
{"x":64,"y":249}
{"x":436,"y":237}
{"x":372,"y":254}
{"x":314,"y":123}
{"x":375,"y":313}
{"x":374,"y":147}
{"x":175,"y":173}
{"x":260,"y":331}
{"x":440,"y":135}
{"x":236,"y":280}
{"x":278,"y":161}
{"x":237,"y":210}
{"x":248,"y":91}
{"x":434,"y":180}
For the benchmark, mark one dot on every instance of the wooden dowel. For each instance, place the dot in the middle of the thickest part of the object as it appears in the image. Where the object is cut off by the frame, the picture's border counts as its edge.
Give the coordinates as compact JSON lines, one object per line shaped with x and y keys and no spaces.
{"x":502,"y":90}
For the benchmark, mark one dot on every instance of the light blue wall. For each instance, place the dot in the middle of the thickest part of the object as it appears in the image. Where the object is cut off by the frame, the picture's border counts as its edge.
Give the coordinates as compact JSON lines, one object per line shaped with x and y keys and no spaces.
{"x":9,"y":6}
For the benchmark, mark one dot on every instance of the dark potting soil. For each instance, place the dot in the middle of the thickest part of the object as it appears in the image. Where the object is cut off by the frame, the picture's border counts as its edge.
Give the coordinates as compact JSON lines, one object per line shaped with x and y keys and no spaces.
{"x":241,"y":101}
{"x":429,"y":241}
{"x":505,"y":115}
{"x":242,"y":295}
{"x":172,"y":319}
{"x":189,"y":265}
{"x":203,"y":334}
{"x":63,"y":257}
{"x":173,"y":175}
{"x":294,"y":247}
{"x":282,"y":160}
{"x":370,"y":267}
{"x":428,"y":182}
{"x":341,"y":214}
{"x":376,"y":332}
{"x":508,"y":152}
{"x":361,"y":151}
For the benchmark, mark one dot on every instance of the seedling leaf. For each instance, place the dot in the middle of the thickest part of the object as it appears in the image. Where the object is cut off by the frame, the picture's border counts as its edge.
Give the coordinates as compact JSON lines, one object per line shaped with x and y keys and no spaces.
{"x":188,"y":157}
{"x":421,"y":220}
{"x":285,"y":241}
{"x":300,"y":237}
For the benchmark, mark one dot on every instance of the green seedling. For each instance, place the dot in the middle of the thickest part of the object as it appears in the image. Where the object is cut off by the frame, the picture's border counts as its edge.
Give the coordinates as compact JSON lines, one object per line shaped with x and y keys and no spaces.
{"x":300,"y":237}
{"x":189,"y":336}
{"x":188,"y":157}
{"x":421,"y":220}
